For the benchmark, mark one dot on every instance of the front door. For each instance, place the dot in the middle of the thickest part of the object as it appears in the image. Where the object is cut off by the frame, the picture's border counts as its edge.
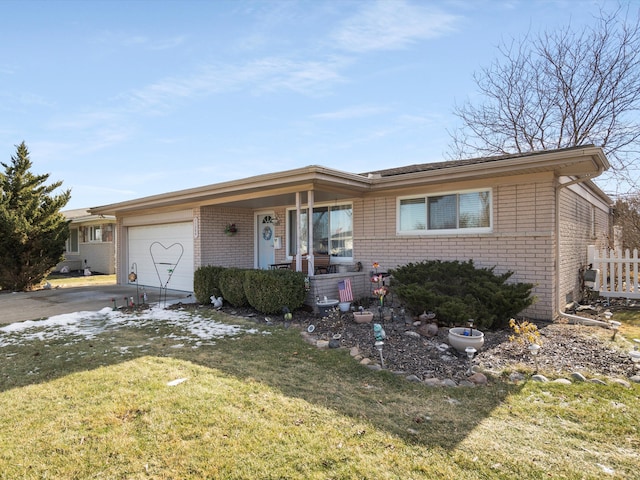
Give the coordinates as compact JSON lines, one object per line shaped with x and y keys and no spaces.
{"x":266,"y":253}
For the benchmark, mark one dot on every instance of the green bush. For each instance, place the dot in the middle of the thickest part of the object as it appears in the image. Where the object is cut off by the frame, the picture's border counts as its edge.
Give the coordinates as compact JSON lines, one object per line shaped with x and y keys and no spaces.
{"x":206,"y":283}
{"x":268,"y":291}
{"x":457,"y":291}
{"x":232,"y":286}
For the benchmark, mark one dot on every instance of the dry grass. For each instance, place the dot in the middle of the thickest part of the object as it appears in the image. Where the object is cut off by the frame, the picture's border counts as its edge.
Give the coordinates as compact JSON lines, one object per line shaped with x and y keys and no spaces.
{"x":61,"y":281}
{"x":630,"y":319}
{"x":272,"y":406}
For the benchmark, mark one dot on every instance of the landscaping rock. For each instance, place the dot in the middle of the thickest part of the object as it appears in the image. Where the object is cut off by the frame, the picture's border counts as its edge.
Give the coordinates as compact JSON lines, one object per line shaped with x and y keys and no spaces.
{"x":413,"y":378}
{"x":432,"y":382}
{"x":429,"y":330}
{"x":635,"y":379}
{"x":411,"y":334}
{"x":598,"y":381}
{"x":478,"y":379}
{"x":516,"y":377}
{"x":562,"y":381}
{"x":566,"y":348}
{"x":447,"y":382}
{"x":578,"y":377}
{"x":621,"y":382}
{"x":539,"y":378}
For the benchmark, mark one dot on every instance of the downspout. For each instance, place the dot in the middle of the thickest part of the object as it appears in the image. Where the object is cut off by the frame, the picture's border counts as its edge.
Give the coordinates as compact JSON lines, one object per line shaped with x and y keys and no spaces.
{"x":568,"y":316}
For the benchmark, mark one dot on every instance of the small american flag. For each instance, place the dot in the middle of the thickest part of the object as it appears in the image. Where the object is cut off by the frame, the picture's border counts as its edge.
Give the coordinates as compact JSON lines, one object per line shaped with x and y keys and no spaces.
{"x":344,"y":290}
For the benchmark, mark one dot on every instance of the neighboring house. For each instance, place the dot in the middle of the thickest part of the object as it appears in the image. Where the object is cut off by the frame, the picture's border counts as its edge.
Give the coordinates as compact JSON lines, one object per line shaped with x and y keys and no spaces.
{"x":533,"y":214}
{"x":91,"y":243}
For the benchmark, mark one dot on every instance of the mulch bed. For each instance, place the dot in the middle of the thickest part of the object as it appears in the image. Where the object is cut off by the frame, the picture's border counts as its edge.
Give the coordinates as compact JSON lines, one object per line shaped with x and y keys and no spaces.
{"x":566,"y":348}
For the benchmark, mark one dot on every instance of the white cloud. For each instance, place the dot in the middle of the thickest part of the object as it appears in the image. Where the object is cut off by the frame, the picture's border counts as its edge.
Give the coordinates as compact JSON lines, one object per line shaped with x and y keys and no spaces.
{"x":351,"y":112}
{"x":392,"y":25}
{"x":262,"y":75}
{"x":128,"y":40}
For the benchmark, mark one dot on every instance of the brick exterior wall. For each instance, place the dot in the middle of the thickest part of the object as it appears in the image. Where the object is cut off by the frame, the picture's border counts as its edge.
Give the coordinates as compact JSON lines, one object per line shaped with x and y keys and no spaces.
{"x":214,"y":247}
{"x":521,"y":241}
{"x":523,"y":238}
{"x":582,"y":222}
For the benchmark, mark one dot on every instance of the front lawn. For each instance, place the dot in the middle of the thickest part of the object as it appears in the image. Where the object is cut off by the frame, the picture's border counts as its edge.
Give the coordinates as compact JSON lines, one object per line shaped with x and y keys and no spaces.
{"x":181,"y":397}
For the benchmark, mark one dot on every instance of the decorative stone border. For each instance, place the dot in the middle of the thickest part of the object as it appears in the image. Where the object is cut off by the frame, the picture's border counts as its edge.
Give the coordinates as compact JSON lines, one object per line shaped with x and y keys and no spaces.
{"x":478,"y":378}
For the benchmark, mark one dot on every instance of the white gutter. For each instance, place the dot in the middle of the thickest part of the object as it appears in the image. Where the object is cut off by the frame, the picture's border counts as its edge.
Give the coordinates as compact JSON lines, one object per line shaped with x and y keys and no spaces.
{"x":568,"y":316}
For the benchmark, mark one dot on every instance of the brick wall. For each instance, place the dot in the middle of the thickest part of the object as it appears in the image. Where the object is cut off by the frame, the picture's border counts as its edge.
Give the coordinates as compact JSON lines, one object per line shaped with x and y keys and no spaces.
{"x":214,"y":247}
{"x":522,"y":240}
{"x":582,"y":222}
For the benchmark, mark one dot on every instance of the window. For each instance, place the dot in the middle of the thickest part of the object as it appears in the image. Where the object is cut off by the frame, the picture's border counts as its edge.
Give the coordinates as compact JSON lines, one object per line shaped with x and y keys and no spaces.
{"x":95,"y":233}
{"x":452,"y":212}
{"x":332,"y":231}
{"x":72,"y":241}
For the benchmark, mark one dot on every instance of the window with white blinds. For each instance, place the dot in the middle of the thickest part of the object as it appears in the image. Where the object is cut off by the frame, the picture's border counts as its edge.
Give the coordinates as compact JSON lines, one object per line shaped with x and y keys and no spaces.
{"x":468,"y":211}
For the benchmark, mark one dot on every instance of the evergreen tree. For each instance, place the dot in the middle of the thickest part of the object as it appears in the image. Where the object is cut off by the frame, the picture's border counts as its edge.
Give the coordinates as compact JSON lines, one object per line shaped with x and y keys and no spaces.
{"x":33,"y":232}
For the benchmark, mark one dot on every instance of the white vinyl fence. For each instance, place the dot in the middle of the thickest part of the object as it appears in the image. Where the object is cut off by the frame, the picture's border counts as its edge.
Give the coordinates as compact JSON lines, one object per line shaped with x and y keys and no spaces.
{"x":613,"y":273}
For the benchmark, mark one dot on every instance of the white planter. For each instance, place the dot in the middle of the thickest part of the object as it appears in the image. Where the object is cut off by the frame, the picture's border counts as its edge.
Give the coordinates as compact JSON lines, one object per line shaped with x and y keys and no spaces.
{"x":344,"y":306}
{"x":460,"y":341}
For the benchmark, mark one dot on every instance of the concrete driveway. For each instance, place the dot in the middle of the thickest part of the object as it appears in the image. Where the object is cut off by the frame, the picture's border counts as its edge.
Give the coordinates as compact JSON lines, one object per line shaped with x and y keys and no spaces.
{"x":39,"y":304}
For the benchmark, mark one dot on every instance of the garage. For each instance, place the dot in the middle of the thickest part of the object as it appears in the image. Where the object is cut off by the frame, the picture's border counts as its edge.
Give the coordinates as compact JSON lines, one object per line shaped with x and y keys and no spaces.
{"x":163,"y":255}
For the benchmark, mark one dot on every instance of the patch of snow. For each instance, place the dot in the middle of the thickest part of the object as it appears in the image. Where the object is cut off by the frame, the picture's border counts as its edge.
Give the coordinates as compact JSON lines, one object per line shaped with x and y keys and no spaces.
{"x":175,"y":382}
{"x":86,"y":325}
{"x":606,"y":469}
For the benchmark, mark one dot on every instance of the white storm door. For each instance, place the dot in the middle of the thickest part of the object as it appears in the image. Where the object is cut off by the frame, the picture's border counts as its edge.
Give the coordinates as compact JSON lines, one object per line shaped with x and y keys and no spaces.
{"x":265,"y":233}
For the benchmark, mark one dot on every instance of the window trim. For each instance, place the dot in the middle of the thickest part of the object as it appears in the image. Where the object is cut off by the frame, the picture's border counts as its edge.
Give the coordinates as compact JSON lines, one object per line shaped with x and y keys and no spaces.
{"x":448,"y":231}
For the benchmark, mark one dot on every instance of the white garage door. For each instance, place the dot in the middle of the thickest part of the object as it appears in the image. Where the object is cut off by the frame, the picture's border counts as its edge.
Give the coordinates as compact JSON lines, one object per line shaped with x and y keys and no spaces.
{"x":163,"y":255}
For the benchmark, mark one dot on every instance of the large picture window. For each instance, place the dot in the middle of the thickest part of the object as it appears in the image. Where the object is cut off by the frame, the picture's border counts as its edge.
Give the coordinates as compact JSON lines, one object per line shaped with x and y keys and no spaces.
{"x":332,"y":231}
{"x":73,"y":241}
{"x":452,"y":212}
{"x":97,"y":233}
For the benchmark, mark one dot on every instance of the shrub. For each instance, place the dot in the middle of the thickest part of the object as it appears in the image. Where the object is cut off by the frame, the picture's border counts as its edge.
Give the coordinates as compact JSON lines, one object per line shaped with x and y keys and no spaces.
{"x":206,"y":283}
{"x":457,"y":291}
{"x":268,"y":291}
{"x":232,"y":286}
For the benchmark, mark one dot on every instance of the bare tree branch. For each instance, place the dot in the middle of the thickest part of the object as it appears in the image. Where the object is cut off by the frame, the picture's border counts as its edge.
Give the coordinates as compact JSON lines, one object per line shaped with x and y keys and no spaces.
{"x":559,"y":89}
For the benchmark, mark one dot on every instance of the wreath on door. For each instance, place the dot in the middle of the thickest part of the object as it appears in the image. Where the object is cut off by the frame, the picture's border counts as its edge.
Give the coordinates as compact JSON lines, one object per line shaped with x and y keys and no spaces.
{"x":267,"y":233}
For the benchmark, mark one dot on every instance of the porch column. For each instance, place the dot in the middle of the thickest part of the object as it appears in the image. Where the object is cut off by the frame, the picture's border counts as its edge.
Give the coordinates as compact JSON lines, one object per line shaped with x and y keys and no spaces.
{"x":298,"y":234}
{"x":310,"y":233}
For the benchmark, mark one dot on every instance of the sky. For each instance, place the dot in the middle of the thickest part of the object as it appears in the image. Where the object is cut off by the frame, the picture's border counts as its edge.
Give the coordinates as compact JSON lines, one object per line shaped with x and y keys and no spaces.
{"x":125,"y":99}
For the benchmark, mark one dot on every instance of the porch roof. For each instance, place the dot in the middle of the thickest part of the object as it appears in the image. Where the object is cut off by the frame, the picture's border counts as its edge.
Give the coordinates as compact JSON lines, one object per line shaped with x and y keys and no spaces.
{"x":83,"y":216}
{"x":277,"y":189}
